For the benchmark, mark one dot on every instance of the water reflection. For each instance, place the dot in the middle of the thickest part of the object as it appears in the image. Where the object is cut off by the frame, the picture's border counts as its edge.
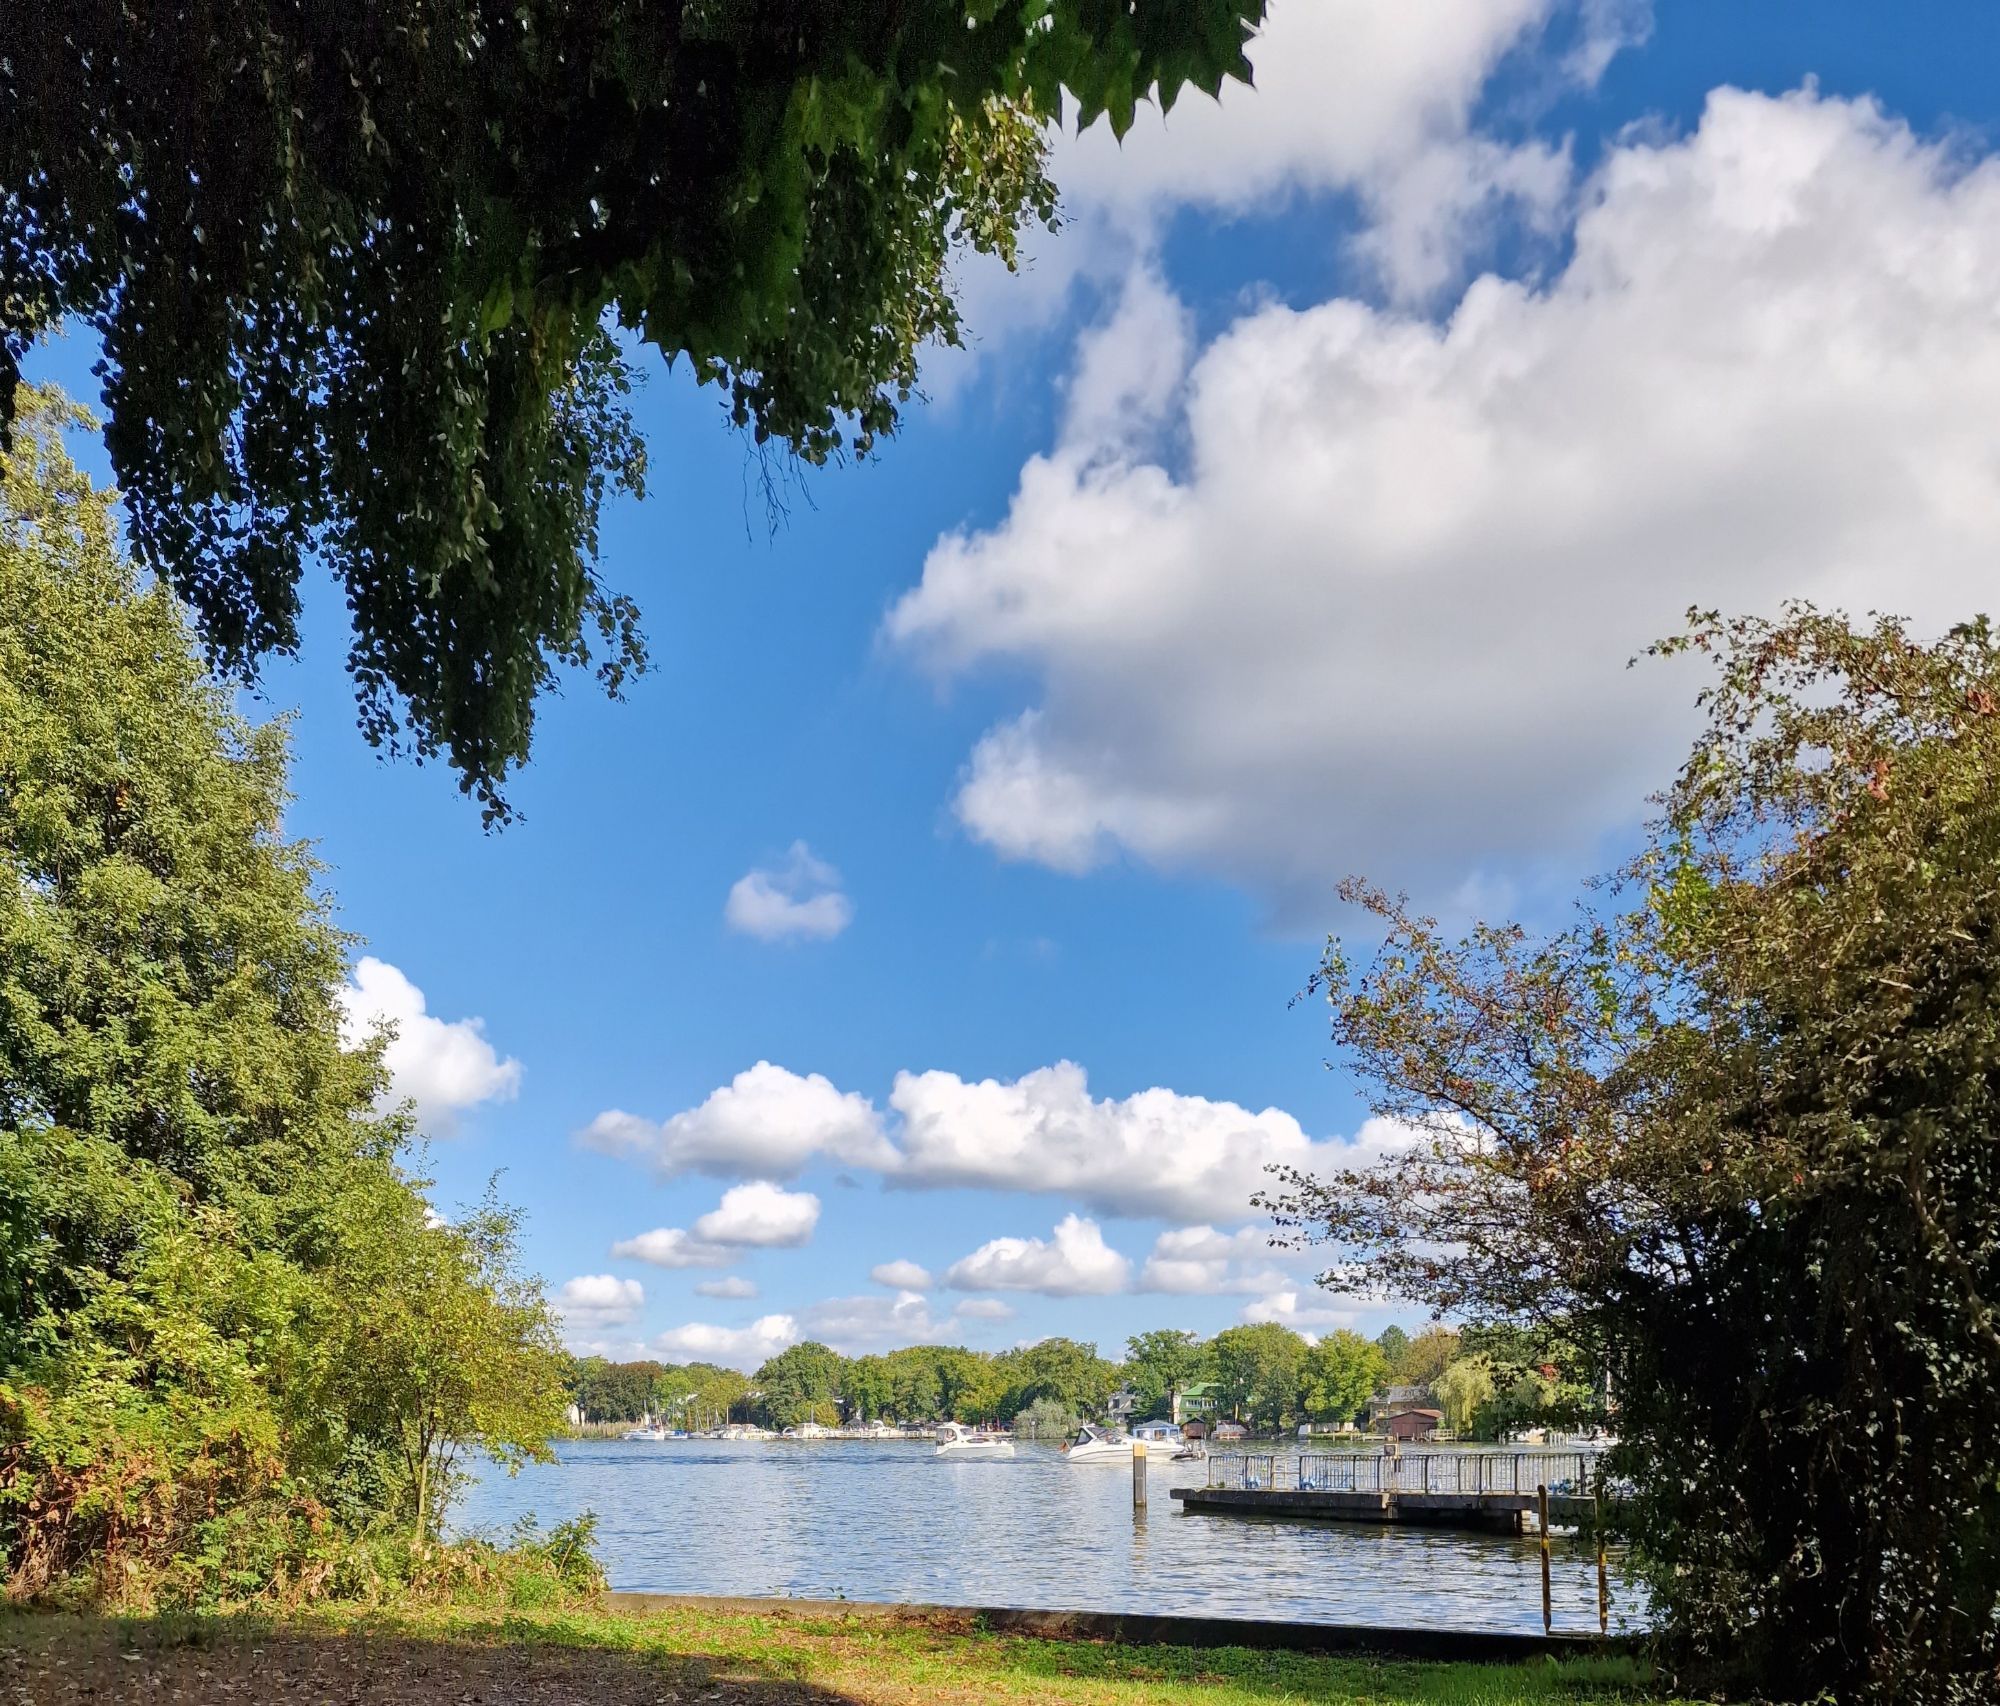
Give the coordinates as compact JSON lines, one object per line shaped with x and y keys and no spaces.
{"x":889,"y":1521}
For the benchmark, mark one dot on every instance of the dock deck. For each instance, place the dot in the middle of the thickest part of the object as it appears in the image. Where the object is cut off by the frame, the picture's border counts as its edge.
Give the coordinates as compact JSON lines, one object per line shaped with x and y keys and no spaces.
{"x":1492,"y":1491}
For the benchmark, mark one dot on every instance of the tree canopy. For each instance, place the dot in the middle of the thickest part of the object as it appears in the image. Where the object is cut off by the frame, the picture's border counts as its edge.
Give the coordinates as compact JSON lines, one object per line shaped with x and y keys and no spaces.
{"x":1163,"y":1364}
{"x":1339,"y":1374}
{"x":1258,"y":1368}
{"x":1422,"y":1359}
{"x":801,"y":1384}
{"x":354,"y":268}
{"x":1732,"y":1135}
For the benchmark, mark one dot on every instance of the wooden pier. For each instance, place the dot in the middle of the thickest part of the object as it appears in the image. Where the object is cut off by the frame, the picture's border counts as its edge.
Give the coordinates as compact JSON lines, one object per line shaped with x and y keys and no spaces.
{"x":1491,"y":1491}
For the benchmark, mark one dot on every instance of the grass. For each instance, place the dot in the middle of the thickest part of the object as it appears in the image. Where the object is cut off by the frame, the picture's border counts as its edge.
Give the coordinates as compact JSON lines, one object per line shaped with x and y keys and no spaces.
{"x":812,"y":1657}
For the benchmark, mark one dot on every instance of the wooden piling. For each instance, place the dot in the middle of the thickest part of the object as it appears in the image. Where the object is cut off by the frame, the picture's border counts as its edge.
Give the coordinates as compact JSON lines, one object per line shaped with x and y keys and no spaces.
{"x":1138,"y":1479}
{"x":1603,"y":1572}
{"x":1542,"y":1516}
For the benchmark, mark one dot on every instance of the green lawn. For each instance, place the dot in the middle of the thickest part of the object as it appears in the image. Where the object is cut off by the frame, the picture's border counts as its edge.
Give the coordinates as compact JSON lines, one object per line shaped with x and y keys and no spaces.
{"x":729,"y":1657}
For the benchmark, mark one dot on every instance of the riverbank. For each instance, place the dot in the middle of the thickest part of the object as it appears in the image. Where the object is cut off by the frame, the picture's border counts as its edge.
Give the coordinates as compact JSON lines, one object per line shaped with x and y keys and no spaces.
{"x":814,"y":1656}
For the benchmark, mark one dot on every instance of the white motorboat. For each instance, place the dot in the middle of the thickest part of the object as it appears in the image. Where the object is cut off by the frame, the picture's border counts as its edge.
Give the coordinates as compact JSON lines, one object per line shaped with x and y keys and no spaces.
{"x":956,"y":1440}
{"x":1099,"y":1445}
{"x":648,"y":1430}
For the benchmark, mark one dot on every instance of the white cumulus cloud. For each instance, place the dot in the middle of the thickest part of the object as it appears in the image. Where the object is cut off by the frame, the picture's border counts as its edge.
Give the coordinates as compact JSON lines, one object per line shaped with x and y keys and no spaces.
{"x":853,"y":1326}
{"x":984,"y":1309}
{"x":1157,"y":1154}
{"x":590,"y":1303}
{"x":1074,"y":1262}
{"x":731,"y":1287}
{"x":672,"y":1247}
{"x":760,"y":1213}
{"x":1307,"y":1312}
{"x":856,"y":1325}
{"x":1199,"y":1261}
{"x":1375,"y":613}
{"x":733,"y":1347}
{"x":901,"y":1275}
{"x":443,"y":1066}
{"x":1352,"y":97}
{"x":765,"y":1123}
{"x":800,"y":898}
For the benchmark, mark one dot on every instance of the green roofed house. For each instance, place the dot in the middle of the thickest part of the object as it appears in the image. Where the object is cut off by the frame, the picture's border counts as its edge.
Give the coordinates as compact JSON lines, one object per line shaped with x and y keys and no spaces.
{"x":1196,"y":1403}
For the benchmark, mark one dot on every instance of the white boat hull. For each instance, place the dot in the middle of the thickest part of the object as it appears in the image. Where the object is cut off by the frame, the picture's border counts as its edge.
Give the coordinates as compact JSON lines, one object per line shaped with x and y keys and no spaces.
{"x":1099,"y":1454}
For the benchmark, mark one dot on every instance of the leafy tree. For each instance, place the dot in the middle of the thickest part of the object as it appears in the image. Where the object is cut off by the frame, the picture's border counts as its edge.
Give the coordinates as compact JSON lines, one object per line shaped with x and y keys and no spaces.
{"x":1046,"y":1418}
{"x":1527,"y":1398}
{"x":918,"y":1389}
{"x":1537,"y":1377}
{"x":712,"y":1395}
{"x":1464,"y":1393}
{"x":169,"y":981}
{"x":1732,"y":1135}
{"x":1393,"y":1342}
{"x":869,"y":1388}
{"x":193,"y":1388}
{"x":622,"y":1391}
{"x":351,"y":271}
{"x":1162,"y":1365}
{"x":1338,"y":1374}
{"x":437,"y":1340}
{"x":1064,"y":1370}
{"x":1426,"y":1356}
{"x":802,"y":1384}
{"x":1259,"y":1369}
{"x":977,"y":1388}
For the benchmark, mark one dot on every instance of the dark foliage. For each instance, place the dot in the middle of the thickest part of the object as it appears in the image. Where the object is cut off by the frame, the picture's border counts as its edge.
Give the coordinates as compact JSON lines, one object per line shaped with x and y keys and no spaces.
{"x":1735,"y":1141}
{"x":352,"y":264}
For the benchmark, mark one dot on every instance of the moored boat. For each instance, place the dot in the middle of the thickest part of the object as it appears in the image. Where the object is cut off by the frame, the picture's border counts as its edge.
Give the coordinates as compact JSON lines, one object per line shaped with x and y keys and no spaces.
{"x":957,"y":1440}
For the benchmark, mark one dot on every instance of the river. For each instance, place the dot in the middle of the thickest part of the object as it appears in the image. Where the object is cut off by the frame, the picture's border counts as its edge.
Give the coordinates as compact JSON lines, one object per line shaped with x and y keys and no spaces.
{"x":888,"y":1521}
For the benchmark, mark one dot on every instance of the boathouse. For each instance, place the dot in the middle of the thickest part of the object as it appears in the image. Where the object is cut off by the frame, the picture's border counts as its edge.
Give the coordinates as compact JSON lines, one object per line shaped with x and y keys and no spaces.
{"x":1413,"y":1424}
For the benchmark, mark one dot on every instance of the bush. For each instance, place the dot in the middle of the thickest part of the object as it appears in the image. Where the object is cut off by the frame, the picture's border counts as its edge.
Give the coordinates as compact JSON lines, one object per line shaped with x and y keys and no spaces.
{"x":533,"y":1570}
{"x":1046,"y":1418}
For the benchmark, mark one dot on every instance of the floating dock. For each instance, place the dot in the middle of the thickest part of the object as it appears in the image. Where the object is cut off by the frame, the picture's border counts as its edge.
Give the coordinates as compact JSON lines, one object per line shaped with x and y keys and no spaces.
{"x":1495,"y":1492}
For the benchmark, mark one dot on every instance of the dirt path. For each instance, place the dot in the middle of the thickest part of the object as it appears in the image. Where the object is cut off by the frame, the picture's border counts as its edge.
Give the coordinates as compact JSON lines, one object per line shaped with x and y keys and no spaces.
{"x":60,"y":1666}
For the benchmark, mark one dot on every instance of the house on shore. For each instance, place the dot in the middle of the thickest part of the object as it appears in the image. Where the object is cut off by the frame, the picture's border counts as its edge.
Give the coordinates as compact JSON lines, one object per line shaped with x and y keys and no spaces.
{"x":1197,"y":1403}
{"x":1394,"y":1401}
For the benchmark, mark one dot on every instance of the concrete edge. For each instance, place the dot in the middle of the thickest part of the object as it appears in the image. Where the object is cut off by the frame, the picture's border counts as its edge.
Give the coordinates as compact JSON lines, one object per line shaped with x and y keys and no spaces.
{"x":1156,"y":1630}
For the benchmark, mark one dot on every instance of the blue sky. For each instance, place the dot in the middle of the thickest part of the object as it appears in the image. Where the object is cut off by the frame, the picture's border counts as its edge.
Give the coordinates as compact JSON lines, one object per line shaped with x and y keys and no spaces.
{"x":1294,"y":515}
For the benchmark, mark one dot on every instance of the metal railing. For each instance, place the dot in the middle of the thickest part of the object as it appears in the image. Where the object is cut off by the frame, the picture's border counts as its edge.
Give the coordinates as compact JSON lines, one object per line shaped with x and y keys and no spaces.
{"x":1517,"y":1472}
{"x":1250,"y":1472}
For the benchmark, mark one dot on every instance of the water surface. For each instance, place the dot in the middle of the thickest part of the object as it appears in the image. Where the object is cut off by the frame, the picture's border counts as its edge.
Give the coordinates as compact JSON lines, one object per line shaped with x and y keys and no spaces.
{"x":888,"y":1521}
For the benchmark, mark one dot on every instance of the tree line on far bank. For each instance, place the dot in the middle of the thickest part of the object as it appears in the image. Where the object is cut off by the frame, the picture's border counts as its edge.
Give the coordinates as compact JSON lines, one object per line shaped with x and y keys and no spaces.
{"x":1487,"y":1382}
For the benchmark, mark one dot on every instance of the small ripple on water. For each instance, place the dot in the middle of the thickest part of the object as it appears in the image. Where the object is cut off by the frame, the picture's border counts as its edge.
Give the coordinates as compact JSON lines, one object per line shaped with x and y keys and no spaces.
{"x":888,"y":1521}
